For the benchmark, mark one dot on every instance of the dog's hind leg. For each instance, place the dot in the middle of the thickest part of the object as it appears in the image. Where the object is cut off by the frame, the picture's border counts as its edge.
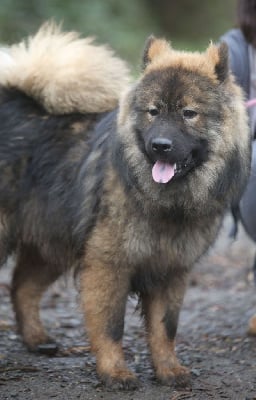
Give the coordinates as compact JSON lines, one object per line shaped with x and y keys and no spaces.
{"x":31,"y":278}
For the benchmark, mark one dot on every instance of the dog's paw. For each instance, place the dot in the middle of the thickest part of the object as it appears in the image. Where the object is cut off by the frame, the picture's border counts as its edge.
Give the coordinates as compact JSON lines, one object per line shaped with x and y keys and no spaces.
{"x":47,"y":347}
{"x":121,"y":380}
{"x":183,"y":380}
{"x":176,"y":377}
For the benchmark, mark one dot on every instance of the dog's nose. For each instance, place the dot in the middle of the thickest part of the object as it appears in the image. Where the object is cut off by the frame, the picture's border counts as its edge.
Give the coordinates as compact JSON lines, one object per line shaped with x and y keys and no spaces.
{"x":161,"y":145}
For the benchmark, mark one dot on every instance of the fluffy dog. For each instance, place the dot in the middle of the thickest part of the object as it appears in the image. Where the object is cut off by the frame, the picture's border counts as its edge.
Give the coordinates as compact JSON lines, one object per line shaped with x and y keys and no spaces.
{"x":130,"y":194}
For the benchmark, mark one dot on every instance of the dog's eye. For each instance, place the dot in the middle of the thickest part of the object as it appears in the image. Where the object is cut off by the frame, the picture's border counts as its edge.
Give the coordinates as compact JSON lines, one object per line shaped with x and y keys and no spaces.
{"x":189,"y":114}
{"x":153,"y":111}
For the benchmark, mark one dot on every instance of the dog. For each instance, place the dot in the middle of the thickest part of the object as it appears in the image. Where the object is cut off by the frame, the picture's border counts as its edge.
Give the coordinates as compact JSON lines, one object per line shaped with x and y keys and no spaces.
{"x":128,"y":183}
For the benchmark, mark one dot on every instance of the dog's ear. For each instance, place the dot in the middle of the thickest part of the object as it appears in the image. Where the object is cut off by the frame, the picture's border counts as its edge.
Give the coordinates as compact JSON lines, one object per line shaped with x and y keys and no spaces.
{"x":154,"y":47}
{"x":222,"y":68}
{"x":219,"y":57}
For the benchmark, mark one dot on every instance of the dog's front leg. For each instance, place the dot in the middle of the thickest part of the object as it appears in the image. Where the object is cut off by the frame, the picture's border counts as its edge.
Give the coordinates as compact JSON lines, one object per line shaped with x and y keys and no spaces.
{"x":161,"y":310}
{"x":104,"y":294}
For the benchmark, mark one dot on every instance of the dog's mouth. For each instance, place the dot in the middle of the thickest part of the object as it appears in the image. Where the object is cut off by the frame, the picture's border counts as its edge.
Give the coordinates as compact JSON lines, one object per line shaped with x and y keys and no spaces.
{"x":171,"y":161}
{"x":164,"y":172}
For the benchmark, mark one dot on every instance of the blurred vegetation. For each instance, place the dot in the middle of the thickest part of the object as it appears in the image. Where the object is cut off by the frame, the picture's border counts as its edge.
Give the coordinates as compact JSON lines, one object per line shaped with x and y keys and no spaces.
{"x":125,"y":25}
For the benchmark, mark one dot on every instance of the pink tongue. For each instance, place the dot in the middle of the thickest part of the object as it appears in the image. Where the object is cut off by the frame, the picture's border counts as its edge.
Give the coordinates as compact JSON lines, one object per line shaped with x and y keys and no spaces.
{"x":162,"y":172}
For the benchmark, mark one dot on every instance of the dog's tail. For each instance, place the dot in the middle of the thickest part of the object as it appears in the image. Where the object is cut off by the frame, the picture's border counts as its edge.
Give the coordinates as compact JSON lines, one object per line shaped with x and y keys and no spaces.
{"x":63,"y":72}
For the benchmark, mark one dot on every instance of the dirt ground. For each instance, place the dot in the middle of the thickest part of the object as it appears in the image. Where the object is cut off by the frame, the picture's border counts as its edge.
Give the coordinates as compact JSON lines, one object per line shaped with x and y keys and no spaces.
{"x":212,"y":338}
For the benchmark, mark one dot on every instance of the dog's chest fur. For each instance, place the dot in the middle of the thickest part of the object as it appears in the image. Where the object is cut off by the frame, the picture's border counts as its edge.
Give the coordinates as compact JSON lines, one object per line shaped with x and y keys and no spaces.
{"x":148,"y":250}
{"x":165,"y":246}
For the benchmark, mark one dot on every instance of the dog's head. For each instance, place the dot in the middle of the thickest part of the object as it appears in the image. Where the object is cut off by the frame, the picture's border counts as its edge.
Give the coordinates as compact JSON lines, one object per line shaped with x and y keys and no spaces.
{"x":185,"y":114}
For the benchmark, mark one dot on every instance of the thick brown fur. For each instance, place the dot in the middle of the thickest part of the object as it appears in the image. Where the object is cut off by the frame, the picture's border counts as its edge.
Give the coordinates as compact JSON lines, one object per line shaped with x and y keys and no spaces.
{"x":77,"y":186}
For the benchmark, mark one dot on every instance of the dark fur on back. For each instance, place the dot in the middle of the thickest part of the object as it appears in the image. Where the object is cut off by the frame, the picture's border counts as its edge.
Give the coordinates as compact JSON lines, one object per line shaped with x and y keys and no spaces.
{"x":49,"y":209}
